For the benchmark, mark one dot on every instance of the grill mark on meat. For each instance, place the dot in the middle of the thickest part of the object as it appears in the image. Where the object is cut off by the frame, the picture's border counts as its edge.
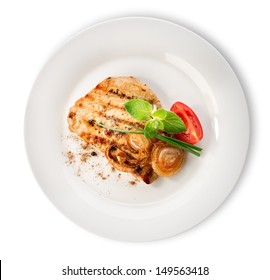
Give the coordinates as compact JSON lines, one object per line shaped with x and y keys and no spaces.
{"x":97,"y":140}
{"x":118,"y":97}
{"x":101,"y":141}
{"x":127,"y":91}
{"x":118,"y":121}
{"x":114,"y":100}
{"x":123,"y":120}
{"x":105,"y":105}
{"x":121,"y":95}
{"x":96,"y":135}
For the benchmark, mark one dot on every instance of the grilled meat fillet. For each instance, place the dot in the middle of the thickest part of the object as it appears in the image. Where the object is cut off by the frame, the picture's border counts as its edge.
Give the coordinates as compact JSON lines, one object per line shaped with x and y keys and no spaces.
{"x":105,"y":105}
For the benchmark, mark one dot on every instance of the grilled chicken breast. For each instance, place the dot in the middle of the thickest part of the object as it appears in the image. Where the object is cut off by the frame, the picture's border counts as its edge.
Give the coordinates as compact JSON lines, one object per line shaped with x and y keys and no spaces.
{"x":105,"y":105}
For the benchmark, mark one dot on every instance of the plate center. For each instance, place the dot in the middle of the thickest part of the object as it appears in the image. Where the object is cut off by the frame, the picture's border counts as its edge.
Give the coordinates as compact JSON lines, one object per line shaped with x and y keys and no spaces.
{"x":171,"y":82}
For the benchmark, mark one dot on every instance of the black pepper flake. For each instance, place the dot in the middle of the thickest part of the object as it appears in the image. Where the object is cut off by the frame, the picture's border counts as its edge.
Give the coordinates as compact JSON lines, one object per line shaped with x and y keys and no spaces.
{"x":138,"y":169}
{"x":114,"y":91}
{"x":93,"y":153}
{"x":71,"y":115}
{"x":132,"y":183}
{"x":91,"y":122}
{"x":113,"y":148}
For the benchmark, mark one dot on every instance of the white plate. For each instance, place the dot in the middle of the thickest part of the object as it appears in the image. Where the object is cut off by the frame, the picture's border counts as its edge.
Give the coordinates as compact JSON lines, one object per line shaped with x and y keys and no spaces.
{"x":178,"y":65}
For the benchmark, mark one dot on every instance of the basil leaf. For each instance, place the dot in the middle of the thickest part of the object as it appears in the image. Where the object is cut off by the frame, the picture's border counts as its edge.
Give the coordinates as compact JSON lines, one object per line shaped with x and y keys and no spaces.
{"x":151,"y":128}
{"x":160,"y":114}
{"x":139,"y":109}
{"x":172,"y":123}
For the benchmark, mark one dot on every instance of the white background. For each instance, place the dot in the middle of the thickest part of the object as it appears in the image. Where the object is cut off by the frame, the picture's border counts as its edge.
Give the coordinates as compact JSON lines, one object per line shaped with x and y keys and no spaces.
{"x":37,"y":241}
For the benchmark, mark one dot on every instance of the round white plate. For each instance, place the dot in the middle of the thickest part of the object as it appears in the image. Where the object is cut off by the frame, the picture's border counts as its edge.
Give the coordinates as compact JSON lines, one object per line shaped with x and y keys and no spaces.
{"x":179,"y":66}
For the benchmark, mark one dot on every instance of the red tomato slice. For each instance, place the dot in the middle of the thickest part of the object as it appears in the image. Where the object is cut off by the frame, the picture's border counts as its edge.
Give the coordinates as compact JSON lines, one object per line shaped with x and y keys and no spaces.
{"x":194,"y":131}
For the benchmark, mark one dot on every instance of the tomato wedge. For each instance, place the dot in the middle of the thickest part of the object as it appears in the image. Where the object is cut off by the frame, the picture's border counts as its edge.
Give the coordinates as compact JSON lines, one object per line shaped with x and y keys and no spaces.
{"x":194,"y":131}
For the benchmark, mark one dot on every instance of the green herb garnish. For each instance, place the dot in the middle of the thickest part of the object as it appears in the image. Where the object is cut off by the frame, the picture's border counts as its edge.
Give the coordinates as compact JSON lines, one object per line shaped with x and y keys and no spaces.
{"x":170,"y":121}
{"x":156,"y":121}
{"x":139,"y":109}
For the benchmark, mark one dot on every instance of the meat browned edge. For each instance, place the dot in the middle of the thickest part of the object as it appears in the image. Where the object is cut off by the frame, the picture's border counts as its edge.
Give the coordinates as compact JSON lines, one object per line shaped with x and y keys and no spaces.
{"x":105,"y":105}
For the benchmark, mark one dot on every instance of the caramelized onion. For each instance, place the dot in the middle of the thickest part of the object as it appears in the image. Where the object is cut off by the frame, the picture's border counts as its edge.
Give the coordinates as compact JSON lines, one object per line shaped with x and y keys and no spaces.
{"x":166,"y":159}
{"x":138,"y":142}
{"x":120,"y":159}
{"x":146,"y":173}
{"x":134,"y":162}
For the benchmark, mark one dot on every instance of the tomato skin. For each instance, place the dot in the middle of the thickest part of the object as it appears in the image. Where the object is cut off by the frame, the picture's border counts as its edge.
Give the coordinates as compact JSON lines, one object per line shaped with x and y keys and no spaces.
{"x":194,"y":131}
